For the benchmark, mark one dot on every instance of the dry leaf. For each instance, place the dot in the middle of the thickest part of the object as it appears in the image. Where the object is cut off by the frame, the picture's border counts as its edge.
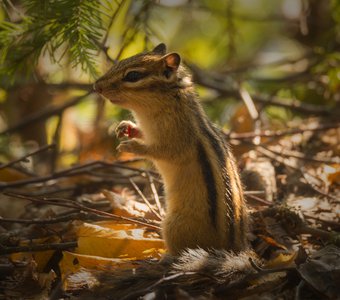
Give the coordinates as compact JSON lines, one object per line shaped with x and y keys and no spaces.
{"x":272,"y":242}
{"x":125,"y":204}
{"x":71,"y":263}
{"x":322,"y":271}
{"x":282,"y":260}
{"x":11,"y":175}
{"x":41,"y":258}
{"x":120,"y":240}
{"x":241,"y":120}
{"x":332,"y":173}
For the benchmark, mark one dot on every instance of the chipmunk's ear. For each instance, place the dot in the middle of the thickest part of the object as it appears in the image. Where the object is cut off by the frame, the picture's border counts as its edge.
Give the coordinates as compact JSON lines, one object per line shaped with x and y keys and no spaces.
{"x":160,"y":49}
{"x":172,"y":60}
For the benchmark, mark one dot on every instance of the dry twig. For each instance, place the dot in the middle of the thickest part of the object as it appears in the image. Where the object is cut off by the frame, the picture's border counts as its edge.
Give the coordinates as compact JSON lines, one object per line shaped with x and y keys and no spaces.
{"x":75,"y":205}
{"x":24,"y":158}
{"x":44,"y":114}
{"x":40,"y":247}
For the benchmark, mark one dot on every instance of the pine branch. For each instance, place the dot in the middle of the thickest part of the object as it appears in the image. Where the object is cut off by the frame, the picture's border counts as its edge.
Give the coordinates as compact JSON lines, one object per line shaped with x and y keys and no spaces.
{"x":75,"y":26}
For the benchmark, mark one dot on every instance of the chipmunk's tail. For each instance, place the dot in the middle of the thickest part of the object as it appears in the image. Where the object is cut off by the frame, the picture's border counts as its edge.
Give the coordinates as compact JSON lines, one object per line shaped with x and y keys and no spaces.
{"x":195,"y":272}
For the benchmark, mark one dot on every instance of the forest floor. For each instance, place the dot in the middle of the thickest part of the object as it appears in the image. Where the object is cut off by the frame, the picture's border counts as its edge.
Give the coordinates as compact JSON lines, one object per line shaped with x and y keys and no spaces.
{"x":61,"y":231}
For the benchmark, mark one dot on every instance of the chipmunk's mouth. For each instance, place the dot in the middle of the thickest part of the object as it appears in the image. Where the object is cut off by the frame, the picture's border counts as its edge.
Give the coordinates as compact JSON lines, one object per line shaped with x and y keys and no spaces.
{"x":112,"y":100}
{"x":115,"y":101}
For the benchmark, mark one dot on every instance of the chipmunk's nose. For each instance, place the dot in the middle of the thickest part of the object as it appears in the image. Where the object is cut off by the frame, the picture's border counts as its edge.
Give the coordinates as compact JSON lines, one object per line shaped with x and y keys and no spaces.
{"x":97,"y":88}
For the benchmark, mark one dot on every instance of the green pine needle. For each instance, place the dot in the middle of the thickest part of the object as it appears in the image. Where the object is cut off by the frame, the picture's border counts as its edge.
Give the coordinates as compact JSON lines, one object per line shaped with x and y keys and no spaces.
{"x":75,"y":26}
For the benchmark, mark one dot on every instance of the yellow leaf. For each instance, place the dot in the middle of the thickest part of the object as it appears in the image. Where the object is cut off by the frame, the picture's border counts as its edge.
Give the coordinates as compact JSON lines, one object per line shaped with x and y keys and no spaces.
{"x":117,"y":240}
{"x":41,"y":258}
{"x":71,"y":263}
{"x":282,"y":260}
{"x":139,"y":232}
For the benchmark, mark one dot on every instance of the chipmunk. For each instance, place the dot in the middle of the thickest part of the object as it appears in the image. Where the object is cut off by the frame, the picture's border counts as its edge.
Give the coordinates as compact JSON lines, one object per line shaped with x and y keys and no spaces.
{"x":204,"y":197}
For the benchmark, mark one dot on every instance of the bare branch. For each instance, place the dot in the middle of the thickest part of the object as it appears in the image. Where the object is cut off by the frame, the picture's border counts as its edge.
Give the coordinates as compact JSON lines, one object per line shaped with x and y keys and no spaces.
{"x":23,"y":158}
{"x":44,"y":114}
{"x":280,"y":133}
{"x":227,"y":87}
{"x":73,"y":204}
{"x":41,"y":247}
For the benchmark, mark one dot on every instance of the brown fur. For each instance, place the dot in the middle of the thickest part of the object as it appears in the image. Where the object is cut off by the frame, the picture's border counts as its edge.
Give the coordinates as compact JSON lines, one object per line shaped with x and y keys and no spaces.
{"x":205,"y":206}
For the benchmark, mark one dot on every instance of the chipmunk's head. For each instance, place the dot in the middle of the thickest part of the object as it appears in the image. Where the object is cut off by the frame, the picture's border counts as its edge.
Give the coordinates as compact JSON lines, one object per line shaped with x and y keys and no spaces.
{"x":143,"y":79}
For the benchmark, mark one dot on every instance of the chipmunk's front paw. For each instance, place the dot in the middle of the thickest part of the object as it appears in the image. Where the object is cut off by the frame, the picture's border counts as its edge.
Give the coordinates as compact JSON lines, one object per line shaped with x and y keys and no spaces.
{"x":132,"y":146}
{"x":127,"y":129}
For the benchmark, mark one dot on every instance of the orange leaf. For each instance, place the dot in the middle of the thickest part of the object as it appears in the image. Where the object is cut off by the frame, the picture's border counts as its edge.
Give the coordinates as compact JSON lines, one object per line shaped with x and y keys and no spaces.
{"x":332,"y":173}
{"x":272,"y":242}
{"x":10,"y":175}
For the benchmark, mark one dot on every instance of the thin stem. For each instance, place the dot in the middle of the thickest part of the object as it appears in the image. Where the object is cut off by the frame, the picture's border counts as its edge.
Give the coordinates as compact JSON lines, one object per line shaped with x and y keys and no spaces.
{"x":137,"y":189}
{"x":72,"y":204}
{"x":23,"y":158}
{"x":42,"y":247}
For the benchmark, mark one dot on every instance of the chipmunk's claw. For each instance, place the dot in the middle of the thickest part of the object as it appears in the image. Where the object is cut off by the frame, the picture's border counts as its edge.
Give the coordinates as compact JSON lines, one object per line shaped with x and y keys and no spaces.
{"x":122,"y":130}
{"x":127,"y":129}
{"x":131,"y":146}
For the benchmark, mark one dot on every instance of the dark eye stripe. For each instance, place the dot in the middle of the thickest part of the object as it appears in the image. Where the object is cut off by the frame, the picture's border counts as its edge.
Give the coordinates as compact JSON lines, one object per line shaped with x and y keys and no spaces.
{"x":134,"y":76}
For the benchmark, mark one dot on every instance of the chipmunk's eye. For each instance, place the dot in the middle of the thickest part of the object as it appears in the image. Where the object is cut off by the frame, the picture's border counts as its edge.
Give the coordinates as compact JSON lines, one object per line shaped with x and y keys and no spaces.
{"x":134,"y":76}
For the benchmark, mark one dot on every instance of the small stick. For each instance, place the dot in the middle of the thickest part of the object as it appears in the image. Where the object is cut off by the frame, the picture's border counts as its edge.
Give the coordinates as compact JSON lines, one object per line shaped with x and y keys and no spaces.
{"x":56,"y":141}
{"x":260,"y":200}
{"x":71,"y":172}
{"x":249,"y":103}
{"x":155,"y":194}
{"x":254,"y":192}
{"x":65,"y":218}
{"x":72,"y":204}
{"x":34,"y":248}
{"x":137,"y":189}
{"x":23,"y":158}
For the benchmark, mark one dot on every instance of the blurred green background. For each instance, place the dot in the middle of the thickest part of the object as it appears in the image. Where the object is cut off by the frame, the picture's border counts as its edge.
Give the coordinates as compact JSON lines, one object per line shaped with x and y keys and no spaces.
{"x":283,"y":53}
